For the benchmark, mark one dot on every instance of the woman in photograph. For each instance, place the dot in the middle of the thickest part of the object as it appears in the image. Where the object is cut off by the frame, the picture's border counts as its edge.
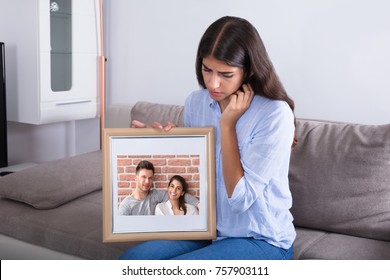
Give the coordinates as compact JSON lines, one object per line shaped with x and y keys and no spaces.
{"x":176,"y":204}
{"x":244,"y":100}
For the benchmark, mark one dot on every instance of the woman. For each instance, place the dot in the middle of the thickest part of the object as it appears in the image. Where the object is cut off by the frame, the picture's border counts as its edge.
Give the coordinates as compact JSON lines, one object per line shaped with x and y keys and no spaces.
{"x":244,"y":100}
{"x":176,"y":205}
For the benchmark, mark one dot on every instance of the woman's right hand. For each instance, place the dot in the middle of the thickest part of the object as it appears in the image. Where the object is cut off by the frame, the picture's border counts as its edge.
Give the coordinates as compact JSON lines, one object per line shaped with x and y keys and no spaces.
{"x":238,"y":104}
{"x":137,"y":124}
{"x":157,"y":125}
{"x":167,"y":127}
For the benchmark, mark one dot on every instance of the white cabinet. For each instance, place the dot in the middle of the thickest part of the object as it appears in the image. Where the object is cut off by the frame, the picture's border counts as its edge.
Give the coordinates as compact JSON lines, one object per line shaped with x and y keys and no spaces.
{"x":53,"y":50}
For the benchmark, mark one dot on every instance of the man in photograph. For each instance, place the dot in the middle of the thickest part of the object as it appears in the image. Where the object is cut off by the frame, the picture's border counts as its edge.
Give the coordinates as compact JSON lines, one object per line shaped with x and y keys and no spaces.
{"x":144,"y":198}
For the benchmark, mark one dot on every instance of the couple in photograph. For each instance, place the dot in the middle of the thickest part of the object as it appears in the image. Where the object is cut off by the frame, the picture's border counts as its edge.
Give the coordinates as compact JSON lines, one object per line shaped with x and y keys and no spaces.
{"x":145,"y":200}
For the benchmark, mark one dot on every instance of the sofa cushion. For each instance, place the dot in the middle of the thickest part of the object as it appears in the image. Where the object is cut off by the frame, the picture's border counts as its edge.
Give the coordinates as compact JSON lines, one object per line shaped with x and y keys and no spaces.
{"x":74,"y":228}
{"x":313,"y":244}
{"x":48,"y":185}
{"x":340,"y":178}
{"x":147,"y":113}
{"x":118,"y":115}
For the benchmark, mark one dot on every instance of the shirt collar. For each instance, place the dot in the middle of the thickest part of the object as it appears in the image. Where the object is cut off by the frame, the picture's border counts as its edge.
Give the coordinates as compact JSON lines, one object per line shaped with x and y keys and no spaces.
{"x":212,"y":102}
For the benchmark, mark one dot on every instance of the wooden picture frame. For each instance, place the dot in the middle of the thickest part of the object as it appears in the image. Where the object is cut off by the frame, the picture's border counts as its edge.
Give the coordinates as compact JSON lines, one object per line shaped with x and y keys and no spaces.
{"x":179,"y":150}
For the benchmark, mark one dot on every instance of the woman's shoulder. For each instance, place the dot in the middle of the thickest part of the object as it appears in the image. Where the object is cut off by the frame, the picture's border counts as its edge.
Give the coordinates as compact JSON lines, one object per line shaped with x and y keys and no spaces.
{"x":159,"y":210}
{"x":198,"y":95}
{"x":269,"y":106}
{"x":160,"y":204}
{"x":163,"y":208}
{"x":260,"y":100}
{"x":269,"y":113}
{"x":164,"y":204}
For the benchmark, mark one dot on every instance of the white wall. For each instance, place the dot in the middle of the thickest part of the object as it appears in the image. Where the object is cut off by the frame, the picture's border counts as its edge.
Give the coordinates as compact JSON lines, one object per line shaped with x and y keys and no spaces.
{"x":40,"y":143}
{"x":332,"y":55}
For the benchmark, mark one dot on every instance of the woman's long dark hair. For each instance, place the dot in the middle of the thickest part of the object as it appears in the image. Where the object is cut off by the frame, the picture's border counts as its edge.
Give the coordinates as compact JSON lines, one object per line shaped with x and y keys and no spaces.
{"x":236,"y":42}
{"x":184,"y":184}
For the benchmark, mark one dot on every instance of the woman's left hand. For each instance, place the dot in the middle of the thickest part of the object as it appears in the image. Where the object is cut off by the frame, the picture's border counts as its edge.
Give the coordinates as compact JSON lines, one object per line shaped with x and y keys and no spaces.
{"x":238,"y":104}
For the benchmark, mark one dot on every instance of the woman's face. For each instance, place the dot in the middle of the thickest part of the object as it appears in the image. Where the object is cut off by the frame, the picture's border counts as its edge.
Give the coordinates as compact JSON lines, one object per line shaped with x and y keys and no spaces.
{"x":221,"y":80}
{"x":175,"y":190}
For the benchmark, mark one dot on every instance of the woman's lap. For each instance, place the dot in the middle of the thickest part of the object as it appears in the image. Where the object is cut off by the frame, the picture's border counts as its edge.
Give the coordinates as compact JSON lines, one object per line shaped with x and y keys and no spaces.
{"x":162,"y":249}
{"x":225,"y":249}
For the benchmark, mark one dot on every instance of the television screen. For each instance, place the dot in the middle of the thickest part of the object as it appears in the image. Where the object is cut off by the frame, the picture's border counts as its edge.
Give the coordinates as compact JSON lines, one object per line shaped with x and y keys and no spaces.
{"x":3,"y":112}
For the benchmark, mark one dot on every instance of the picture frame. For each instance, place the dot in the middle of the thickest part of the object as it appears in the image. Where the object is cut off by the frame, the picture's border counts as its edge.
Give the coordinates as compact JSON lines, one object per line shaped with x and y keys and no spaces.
{"x":184,"y":151}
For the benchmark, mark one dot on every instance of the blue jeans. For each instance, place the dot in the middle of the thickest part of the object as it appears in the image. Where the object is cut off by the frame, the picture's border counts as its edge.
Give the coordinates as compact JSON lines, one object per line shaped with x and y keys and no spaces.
{"x":224,"y":249}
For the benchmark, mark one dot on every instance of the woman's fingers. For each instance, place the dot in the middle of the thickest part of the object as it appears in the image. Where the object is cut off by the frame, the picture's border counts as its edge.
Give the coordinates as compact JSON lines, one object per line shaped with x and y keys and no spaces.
{"x":248,"y":94}
{"x":137,"y":124}
{"x":166,"y":127}
{"x":243,"y":97}
{"x":157,"y":125}
{"x":169,"y":126}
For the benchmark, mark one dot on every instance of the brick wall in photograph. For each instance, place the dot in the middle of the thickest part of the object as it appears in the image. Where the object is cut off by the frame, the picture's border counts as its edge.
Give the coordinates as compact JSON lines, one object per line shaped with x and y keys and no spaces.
{"x":165,"y":167}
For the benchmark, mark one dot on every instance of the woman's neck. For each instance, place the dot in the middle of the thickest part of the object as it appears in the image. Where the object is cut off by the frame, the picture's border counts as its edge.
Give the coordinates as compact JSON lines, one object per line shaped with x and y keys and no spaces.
{"x":223,"y":104}
{"x":176,"y":207}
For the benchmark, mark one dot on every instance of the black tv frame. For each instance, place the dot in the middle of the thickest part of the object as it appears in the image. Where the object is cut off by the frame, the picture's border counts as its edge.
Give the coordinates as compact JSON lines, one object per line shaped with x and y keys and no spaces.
{"x":3,"y":111}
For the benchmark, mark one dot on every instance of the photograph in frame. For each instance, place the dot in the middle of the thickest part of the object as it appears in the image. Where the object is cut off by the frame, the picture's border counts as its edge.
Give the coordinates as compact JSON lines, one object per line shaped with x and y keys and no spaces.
{"x":187,"y":152}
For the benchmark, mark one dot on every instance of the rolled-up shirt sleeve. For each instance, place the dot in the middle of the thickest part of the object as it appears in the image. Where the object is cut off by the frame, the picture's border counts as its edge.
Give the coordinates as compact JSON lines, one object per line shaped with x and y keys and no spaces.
{"x":265,"y":158}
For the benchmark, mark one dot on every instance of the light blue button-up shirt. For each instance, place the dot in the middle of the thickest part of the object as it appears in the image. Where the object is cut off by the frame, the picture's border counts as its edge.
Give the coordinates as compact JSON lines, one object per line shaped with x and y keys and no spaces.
{"x":259,"y":206}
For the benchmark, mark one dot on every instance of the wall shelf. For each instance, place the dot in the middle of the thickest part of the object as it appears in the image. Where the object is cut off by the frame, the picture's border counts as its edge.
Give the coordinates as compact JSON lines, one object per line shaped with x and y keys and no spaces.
{"x":54,"y":62}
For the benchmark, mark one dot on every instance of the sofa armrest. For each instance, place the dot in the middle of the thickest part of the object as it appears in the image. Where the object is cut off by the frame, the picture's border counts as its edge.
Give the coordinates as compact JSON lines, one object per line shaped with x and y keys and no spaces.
{"x":148,"y":112}
{"x":118,"y":115}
